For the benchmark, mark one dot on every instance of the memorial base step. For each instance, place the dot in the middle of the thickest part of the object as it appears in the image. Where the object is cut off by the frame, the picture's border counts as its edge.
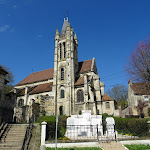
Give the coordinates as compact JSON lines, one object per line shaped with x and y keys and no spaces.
{"x":112,"y":145}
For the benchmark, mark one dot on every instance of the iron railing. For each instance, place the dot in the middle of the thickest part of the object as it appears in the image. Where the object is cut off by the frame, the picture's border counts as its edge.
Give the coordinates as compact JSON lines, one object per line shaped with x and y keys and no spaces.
{"x":89,"y":133}
{"x":27,"y":136}
{"x":3,"y":128}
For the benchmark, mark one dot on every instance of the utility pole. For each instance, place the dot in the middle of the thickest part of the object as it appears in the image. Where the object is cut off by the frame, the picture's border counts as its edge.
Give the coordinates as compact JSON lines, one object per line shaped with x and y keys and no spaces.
{"x":56,"y":132}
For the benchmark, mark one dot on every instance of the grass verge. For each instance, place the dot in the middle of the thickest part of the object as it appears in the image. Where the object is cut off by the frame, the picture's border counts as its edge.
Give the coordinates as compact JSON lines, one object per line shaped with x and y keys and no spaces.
{"x":84,"y":148}
{"x":138,"y":147}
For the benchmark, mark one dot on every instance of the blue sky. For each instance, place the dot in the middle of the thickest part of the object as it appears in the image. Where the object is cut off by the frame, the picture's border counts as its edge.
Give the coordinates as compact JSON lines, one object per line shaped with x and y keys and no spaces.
{"x":107,"y":30}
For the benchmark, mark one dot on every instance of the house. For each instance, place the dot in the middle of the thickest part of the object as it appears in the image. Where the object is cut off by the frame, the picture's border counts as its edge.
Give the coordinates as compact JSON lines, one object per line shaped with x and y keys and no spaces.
{"x":6,"y":100}
{"x":137,"y":92}
{"x":69,"y":87}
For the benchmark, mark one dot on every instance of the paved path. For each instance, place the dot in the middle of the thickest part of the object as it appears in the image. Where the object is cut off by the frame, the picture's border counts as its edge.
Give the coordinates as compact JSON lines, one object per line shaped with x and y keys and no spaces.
{"x":112,"y":145}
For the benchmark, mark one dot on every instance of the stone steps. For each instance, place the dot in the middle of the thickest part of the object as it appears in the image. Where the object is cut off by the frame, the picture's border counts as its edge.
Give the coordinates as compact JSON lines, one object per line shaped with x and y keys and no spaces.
{"x":13,"y":137}
{"x":112,"y":145}
{"x":10,"y":146}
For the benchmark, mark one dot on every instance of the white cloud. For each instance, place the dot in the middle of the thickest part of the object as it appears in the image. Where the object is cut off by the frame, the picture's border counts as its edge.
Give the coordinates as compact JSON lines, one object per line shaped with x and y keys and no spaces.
{"x":39,"y":35}
{"x":4,"y":28}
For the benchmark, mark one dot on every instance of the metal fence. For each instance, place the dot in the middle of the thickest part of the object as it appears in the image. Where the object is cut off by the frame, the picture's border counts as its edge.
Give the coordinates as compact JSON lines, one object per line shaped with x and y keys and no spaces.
{"x":91,"y":133}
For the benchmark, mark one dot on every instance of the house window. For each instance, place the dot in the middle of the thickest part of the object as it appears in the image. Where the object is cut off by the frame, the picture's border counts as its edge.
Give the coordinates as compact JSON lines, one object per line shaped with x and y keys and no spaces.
{"x":62,"y":94}
{"x":20,"y":103}
{"x":62,"y":73}
{"x":64,"y":50}
{"x":60,"y":50}
{"x":146,"y":98}
{"x":80,"y":97}
{"x":107,"y":105}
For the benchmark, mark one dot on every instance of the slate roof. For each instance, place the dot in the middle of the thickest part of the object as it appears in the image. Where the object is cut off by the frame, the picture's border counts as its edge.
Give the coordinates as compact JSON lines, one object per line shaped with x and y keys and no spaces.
{"x":64,"y":28}
{"x":41,"y":88}
{"x":105,"y":97}
{"x":38,"y":76}
{"x":84,"y":66}
{"x":141,"y":88}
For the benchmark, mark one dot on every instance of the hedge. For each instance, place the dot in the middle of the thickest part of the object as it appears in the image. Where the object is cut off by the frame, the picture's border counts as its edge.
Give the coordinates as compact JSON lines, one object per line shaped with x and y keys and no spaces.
{"x":51,"y":126}
{"x":134,"y":126}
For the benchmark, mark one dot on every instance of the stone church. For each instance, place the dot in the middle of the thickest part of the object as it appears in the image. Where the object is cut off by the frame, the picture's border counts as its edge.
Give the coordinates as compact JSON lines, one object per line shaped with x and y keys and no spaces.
{"x":69,"y":87}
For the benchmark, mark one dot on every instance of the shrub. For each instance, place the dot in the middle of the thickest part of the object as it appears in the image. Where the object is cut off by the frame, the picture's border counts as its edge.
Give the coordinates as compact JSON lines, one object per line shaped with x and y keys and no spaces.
{"x":104,"y":116}
{"x":80,"y":112}
{"x":51,"y":126}
{"x":148,"y":111}
{"x":134,"y":126}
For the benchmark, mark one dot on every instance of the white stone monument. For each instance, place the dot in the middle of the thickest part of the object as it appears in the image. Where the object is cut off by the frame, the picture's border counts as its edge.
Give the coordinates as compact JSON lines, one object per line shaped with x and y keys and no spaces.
{"x":110,"y":128}
{"x":85,"y":125}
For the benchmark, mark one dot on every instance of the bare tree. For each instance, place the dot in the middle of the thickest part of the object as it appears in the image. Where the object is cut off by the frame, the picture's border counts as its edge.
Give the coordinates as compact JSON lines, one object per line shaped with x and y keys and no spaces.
{"x":139,"y":62}
{"x":141,"y":106}
{"x":10,"y":78}
{"x":119,"y":93}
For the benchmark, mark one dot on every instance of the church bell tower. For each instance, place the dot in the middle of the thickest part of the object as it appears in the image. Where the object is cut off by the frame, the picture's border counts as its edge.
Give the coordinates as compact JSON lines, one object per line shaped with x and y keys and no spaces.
{"x":65,"y":68}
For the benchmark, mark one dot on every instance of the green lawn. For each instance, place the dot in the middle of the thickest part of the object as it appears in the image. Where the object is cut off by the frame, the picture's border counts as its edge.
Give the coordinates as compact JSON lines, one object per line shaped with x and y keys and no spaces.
{"x":138,"y":147}
{"x":91,"y":148}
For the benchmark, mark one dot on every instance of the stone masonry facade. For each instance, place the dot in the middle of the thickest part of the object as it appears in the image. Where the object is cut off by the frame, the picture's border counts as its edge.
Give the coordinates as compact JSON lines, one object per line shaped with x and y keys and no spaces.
{"x":69,"y":87}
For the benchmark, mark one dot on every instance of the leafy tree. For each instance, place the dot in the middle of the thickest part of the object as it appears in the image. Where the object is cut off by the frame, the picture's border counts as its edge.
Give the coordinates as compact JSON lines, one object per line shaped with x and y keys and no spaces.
{"x":139,"y":62}
{"x":10,"y":78}
{"x":120,"y":94}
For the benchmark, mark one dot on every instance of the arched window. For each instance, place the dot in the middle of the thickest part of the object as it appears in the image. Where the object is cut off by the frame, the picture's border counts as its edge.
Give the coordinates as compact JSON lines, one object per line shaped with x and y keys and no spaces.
{"x":20,"y":103}
{"x":107,"y":105}
{"x":61,"y":110}
{"x":64,"y":49}
{"x":60,"y":51}
{"x":62,"y":73}
{"x":62,"y":94}
{"x":80,"y":97}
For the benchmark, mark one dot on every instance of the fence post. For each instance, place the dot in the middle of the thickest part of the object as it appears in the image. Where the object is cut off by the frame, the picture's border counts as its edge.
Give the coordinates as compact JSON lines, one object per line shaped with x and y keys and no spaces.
{"x":115,"y":132}
{"x":43,"y":135}
{"x":97,"y":133}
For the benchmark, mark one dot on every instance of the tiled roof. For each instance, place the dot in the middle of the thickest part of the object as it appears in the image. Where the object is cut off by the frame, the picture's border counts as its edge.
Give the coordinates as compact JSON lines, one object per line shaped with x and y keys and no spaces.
{"x":141,"y":88}
{"x":38,"y":76}
{"x":21,"y":92}
{"x":85,"y":66}
{"x":105,"y":97}
{"x":80,"y":81}
{"x":42,"y":88}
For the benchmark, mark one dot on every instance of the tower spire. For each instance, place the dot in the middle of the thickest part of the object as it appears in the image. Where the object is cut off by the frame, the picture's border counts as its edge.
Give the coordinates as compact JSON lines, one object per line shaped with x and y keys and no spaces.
{"x":75,"y":38}
{"x":66,"y":15}
{"x":57,"y":34}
